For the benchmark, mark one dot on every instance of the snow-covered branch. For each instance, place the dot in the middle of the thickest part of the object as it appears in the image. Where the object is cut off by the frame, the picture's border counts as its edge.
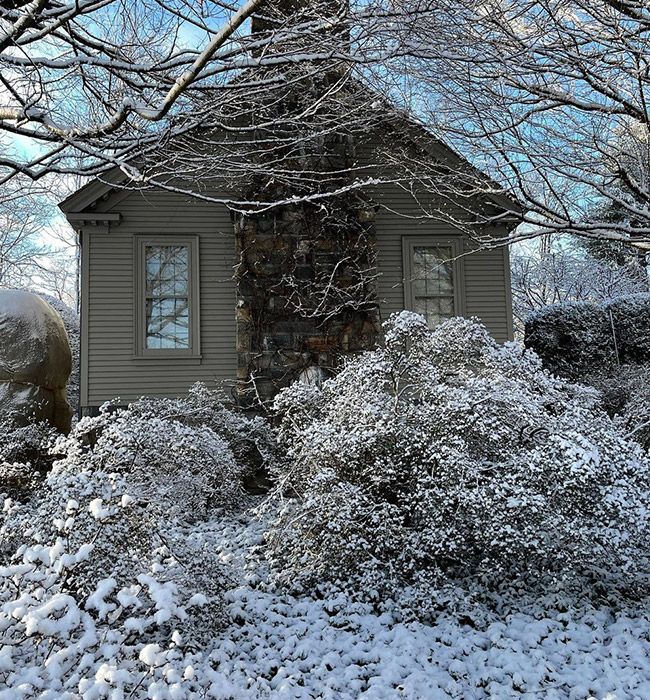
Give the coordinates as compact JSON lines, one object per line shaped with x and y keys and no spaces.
{"x":549,"y":98}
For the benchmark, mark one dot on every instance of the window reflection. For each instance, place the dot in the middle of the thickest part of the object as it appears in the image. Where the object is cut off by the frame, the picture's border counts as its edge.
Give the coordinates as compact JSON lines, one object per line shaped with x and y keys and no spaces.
{"x":167,"y":297}
{"x":432,"y":283}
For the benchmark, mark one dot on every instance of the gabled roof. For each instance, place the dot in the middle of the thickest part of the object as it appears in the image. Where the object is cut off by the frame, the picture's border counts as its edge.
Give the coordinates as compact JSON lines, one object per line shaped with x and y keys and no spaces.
{"x":98,"y":188}
{"x":443,"y":152}
{"x":114,"y":179}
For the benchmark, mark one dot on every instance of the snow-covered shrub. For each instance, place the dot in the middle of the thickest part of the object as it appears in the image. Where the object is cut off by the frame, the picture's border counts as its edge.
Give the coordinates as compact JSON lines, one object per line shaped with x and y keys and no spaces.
{"x":169,"y":455}
{"x":120,"y":635}
{"x":572,"y":338}
{"x":635,"y":417}
{"x":606,"y":346}
{"x":24,"y":456}
{"x":121,"y":481}
{"x":630,"y":317}
{"x":121,"y":477}
{"x":625,"y":395}
{"x":618,"y":387}
{"x":444,"y":455}
{"x":579,"y":338}
{"x":251,"y":438}
{"x":102,"y":585}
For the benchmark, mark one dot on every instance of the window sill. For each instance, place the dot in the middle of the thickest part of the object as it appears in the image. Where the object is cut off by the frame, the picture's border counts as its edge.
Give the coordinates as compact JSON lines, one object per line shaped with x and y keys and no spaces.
{"x":190,"y":359}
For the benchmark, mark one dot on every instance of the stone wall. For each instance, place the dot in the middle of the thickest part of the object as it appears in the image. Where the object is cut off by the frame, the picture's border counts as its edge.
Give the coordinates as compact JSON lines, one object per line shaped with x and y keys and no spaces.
{"x":305,"y":292}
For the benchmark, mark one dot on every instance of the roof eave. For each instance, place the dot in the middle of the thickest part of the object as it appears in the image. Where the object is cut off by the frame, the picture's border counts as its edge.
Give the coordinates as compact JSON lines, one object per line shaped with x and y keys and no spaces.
{"x":87,"y":195}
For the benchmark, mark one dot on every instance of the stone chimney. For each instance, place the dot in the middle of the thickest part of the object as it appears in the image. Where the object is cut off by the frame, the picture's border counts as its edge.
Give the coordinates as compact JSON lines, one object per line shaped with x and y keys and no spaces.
{"x":282,"y":14}
{"x":305,"y":275}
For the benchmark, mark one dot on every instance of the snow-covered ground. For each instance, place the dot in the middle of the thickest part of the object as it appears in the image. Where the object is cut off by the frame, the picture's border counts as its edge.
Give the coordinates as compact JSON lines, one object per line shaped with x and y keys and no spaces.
{"x":137,"y":569}
{"x":279,"y":646}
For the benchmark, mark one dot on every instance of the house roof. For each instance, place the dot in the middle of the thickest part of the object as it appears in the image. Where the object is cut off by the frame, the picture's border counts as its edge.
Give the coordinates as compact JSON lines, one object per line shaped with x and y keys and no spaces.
{"x":93,"y":191}
{"x":101,"y":187}
{"x":439,"y":149}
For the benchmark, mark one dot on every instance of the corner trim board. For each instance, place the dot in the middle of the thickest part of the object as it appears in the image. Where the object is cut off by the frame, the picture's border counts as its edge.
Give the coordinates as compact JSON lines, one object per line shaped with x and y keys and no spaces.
{"x":84,"y":241}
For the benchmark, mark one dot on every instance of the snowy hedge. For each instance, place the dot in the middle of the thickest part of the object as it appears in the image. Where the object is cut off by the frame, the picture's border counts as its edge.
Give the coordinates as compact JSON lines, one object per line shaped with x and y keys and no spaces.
{"x":251,"y":438}
{"x":25,"y":456}
{"x":102,"y":585}
{"x":444,"y":456}
{"x":606,"y":346}
{"x":578,"y":338}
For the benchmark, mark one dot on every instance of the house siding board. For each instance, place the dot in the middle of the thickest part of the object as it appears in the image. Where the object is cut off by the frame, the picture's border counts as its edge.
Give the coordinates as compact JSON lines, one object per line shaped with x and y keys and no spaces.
{"x":112,"y":369}
{"x":485,"y":276}
{"x":108,"y":257}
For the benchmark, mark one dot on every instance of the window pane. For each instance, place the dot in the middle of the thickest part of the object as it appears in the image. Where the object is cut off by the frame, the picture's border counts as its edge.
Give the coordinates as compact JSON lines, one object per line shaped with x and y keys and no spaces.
{"x":168,"y":323}
{"x":167,"y":270}
{"x":434,"y":309}
{"x":432,"y":282}
{"x":446,"y":307}
{"x":167,"y":297}
{"x":432,"y":270}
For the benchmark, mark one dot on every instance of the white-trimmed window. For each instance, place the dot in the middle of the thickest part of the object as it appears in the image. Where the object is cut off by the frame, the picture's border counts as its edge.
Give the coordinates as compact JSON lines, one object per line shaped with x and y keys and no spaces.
{"x":168,"y":296}
{"x":433,"y":277}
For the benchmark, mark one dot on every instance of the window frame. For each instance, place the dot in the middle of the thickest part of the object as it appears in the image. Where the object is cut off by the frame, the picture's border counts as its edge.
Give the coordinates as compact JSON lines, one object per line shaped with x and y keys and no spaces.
{"x":141,"y":350}
{"x":458,"y":270}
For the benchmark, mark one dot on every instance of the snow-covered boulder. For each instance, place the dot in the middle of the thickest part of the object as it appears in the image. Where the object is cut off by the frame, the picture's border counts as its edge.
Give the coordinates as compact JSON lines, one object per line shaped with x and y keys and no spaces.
{"x":35,"y":360}
{"x":70,"y":320}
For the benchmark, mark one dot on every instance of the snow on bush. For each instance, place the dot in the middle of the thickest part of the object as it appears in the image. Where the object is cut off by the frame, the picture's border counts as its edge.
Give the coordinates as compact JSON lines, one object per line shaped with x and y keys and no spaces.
{"x":102,"y":585}
{"x":24,"y":455}
{"x":604,"y":345}
{"x":185,"y":454}
{"x":251,"y":438}
{"x":578,"y":338}
{"x":571,"y":338}
{"x":103,"y":592}
{"x":165,"y":457}
{"x":444,"y":455}
{"x":58,"y":643}
{"x":625,"y":395}
{"x":552,"y":645}
{"x":283,"y":646}
{"x":180,"y":470}
{"x":630,"y":315}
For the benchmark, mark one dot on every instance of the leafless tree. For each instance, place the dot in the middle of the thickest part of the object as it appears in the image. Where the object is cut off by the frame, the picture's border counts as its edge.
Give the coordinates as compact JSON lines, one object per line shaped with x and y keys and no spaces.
{"x":548,"y":271}
{"x":102,"y":83}
{"x":549,"y":97}
{"x":21,"y":221}
{"x":176,"y":93}
{"x":57,"y":275}
{"x":36,"y":251}
{"x":83,"y":80}
{"x":180,"y":95}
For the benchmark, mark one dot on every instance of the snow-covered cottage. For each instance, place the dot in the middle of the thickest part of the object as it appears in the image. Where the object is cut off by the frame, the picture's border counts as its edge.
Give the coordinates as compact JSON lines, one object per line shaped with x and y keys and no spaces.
{"x":176,"y":289}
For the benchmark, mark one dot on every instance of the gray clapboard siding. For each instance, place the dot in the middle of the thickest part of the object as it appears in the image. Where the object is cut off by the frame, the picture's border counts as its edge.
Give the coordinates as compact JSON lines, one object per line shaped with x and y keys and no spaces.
{"x":486,"y":272}
{"x":109,"y":300}
{"x":109,"y":367}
